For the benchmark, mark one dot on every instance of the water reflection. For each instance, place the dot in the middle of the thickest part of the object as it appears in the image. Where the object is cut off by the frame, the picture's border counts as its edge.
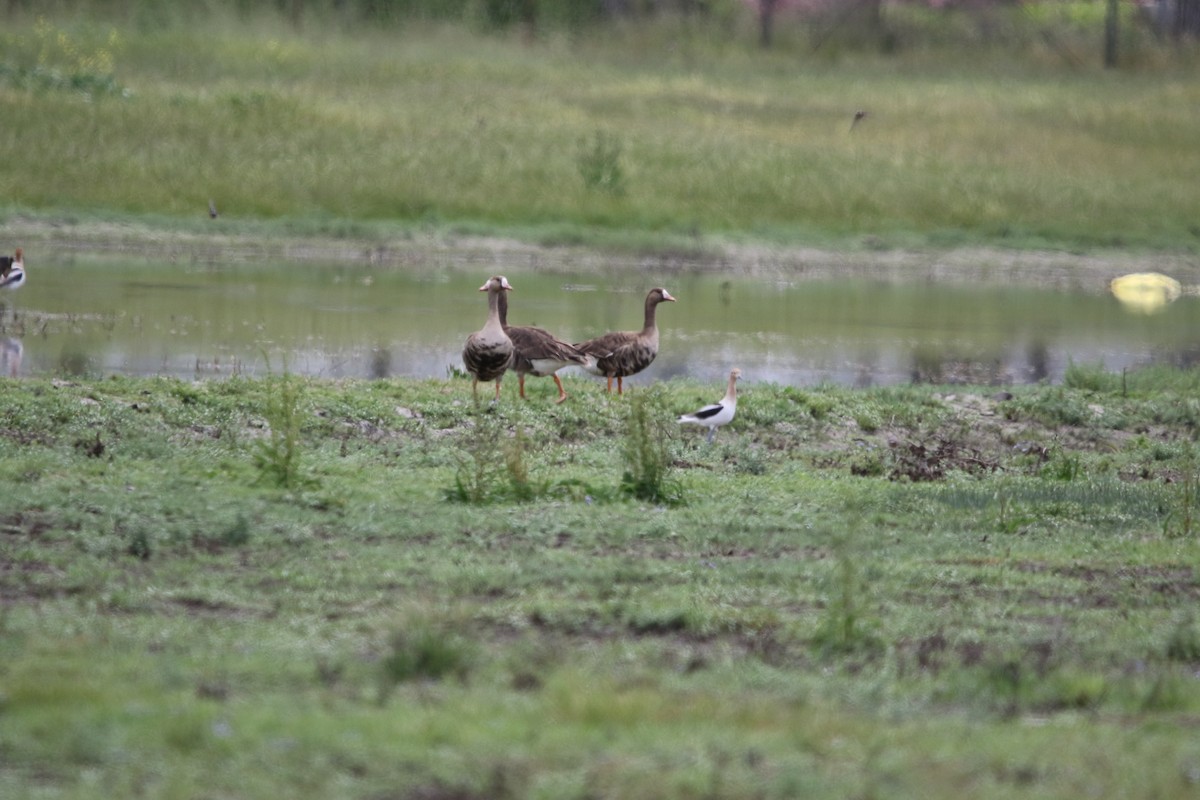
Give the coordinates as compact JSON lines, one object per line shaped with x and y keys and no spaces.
{"x":11,"y":353}
{"x":334,"y":320}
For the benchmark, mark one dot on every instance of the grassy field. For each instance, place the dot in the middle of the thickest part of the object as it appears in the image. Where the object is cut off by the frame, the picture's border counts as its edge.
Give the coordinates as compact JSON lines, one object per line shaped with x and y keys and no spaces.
{"x":283,"y":587}
{"x":280,"y":587}
{"x":658,"y":136}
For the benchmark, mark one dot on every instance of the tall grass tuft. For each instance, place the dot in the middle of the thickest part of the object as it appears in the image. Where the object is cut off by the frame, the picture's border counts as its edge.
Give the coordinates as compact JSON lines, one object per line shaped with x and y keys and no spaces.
{"x":491,"y":466}
{"x":521,"y":486}
{"x":423,"y":652}
{"x":1180,"y":520}
{"x":599,"y":164}
{"x":277,"y":457}
{"x":1091,"y":377}
{"x":478,"y":468}
{"x":646,"y":450}
{"x":1183,"y":643}
{"x":845,"y":628}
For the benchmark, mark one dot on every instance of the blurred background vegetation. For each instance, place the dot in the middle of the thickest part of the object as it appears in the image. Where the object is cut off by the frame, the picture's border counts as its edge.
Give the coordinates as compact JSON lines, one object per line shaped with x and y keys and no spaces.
{"x":1071,"y":28}
{"x":1061,"y":122}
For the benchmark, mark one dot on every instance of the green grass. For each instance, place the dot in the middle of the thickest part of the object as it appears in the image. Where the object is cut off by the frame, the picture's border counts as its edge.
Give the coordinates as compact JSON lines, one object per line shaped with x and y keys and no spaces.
{"x":648,"y":136}
{"x":307,"y":588}
{"x":971,"y":617}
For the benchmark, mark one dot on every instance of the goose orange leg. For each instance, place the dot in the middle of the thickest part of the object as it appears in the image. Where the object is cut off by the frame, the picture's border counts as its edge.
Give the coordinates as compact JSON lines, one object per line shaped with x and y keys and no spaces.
{"x":521,"y":383}
{"x":562,"y":393}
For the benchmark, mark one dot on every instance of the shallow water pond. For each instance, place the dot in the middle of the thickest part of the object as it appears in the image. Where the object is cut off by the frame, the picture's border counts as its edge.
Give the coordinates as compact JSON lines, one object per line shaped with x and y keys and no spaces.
{"x":100,"y":317}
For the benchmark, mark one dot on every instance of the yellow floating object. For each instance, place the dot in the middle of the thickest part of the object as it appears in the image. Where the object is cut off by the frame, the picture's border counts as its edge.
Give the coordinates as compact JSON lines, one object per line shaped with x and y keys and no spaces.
{"x":1146,"y":291}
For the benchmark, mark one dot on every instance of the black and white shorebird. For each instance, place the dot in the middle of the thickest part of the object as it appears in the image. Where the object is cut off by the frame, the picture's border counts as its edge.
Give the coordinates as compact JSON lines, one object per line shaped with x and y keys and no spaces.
{"x":12,"y":271}
{"x":718,"y":414}
{"x":488,"y":352}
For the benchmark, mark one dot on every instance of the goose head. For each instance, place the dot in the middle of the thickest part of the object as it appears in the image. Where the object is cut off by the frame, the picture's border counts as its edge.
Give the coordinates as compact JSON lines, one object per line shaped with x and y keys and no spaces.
{"x":496,"y":283}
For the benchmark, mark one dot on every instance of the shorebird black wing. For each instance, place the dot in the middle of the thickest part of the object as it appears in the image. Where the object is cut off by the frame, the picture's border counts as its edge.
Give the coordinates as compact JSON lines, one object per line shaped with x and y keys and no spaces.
{"x":708,"y":411}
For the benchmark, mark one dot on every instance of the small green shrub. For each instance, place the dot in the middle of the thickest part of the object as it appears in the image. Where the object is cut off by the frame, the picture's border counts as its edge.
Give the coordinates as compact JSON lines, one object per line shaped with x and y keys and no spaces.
{"x":867,"y":421}
{"x":140,"y":543}
{"x":749,"y":461}
{"x":478,"y":470}
{"x":599,"y":164}
{"x":1064,"y":467}
{"x":818,"y":406}
{"x":1166,"y":693}
{"x":278,"y":456}
{"x":1090,"y":377}
{"x":868,"y":462}
{"x":1183,"y":643}
{"x":491,"y":466}
{"x":520,"y":486}
{"x":1052,"y":406}
{"x":238,"y":533}
{"x":1180,"y":519}
{"x":646,"y":450}
{"x":423,"y":652}
{"x":845,"y":629}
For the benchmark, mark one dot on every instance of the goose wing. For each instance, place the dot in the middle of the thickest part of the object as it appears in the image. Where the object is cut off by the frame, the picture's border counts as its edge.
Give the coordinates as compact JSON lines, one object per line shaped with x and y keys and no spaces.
{"x":608,"y":344}
{"x":620,"y":354}
{"x":537,"y":344}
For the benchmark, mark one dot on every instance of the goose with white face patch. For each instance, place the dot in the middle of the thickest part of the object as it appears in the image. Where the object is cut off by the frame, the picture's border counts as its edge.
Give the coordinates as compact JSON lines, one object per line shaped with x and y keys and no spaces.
{"x":488,"y":352}
{"x":623,"y":353}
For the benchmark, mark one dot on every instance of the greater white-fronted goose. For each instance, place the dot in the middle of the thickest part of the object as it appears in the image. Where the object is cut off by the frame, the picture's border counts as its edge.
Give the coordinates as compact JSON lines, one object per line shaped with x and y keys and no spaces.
{"x":623,"y":353}
{"x":718,"y":414}
{"x":12,"y":271}
{"x":538,"y":352}
{"x":488,"y":351}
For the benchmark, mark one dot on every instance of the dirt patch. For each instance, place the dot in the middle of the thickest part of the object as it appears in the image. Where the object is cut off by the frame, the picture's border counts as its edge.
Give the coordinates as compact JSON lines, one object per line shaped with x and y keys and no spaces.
{"x":25,"y":437}
{"x":28,"y":580}
{"x":1139,"y":586}
{"x":29,"y":524}
{"x":203,"y":606}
